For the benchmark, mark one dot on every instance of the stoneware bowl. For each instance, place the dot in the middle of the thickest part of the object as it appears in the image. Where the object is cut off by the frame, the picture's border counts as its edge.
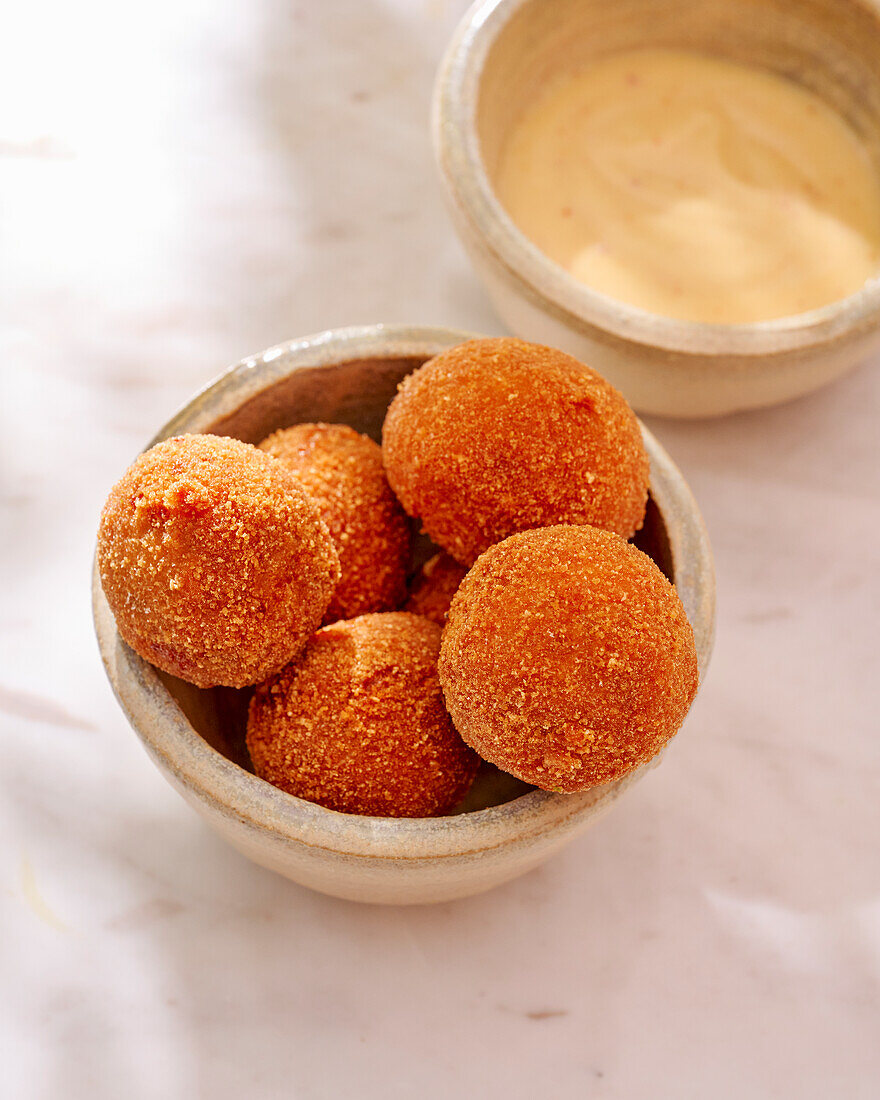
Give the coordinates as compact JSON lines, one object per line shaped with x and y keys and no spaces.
{"x":505,"y":51}
{"x":196,"y":738}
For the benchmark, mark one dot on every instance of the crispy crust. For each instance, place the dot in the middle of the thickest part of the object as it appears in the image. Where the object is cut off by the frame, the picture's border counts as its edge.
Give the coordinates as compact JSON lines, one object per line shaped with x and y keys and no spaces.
{"x":342,"y":472}
{"x":358,"y":724}
{"x":567,"y":658}
{"x":498,"y":436}
{"x":432,"y":588}
{"x":214,"y":561}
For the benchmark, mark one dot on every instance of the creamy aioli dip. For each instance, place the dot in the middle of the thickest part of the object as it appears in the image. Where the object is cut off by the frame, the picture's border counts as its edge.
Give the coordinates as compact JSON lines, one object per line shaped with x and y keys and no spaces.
{"x":694,"y":187}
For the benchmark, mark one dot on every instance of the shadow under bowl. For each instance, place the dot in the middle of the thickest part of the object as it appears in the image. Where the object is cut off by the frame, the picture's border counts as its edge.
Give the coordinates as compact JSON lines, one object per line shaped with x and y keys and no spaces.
{"x":196,"y":737}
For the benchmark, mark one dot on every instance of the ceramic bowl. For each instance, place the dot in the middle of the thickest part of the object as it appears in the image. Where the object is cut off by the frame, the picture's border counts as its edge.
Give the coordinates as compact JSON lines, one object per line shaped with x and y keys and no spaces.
{"x":196,"y":737}
{"x":505,"y":51}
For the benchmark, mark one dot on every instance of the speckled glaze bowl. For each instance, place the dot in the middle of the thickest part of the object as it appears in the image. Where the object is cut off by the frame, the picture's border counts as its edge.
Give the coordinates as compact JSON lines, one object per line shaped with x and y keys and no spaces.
{"x":196,"y":737}
{"x":505,"y":51}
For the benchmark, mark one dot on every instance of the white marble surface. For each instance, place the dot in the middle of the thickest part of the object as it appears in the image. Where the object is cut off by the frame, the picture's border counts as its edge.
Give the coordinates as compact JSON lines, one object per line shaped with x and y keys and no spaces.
{"x":185,"y":183}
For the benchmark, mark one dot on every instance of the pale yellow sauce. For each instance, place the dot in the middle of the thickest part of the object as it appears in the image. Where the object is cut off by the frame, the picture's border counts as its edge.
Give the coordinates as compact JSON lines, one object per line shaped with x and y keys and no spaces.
{"x":695,"y":187}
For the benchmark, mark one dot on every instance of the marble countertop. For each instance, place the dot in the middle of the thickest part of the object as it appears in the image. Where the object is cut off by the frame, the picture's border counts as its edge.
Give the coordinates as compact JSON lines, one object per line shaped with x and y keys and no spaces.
{"x":186,"y":183}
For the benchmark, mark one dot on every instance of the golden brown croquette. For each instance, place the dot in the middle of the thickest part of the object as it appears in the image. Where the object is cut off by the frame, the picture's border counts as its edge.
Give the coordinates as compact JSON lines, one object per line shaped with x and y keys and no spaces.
{"x":432,"y":588}
{"x":567,"y":658}
{"x":358,"y":723}
{"x":214,"y":561}
{"x":497,"y":436}
{"x":342,"y":472}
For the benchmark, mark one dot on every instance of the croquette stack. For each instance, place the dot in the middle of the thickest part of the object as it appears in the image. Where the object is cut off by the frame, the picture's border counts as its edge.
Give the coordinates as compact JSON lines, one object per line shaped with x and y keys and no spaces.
{"x":537,"y":638}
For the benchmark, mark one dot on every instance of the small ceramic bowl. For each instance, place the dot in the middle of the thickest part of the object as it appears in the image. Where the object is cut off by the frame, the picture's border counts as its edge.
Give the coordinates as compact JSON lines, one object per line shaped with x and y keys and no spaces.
{"x":196,"y":737}
{"x":505,"y":51}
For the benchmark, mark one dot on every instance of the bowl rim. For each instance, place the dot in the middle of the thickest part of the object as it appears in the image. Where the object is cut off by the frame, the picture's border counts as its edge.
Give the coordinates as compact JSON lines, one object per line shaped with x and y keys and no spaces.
{"x":209,"y":776}
{"x":551,"y":288}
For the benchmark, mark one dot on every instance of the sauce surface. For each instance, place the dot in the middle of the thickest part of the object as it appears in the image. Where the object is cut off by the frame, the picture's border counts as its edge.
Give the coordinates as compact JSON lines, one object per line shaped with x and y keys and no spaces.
{"x":694,"y":187}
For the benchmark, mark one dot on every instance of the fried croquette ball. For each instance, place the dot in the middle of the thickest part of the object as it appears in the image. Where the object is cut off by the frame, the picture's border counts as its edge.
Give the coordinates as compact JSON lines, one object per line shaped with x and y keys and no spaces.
{"x":433,"y":586}
{"x":497,"y":436}
{"x":567,"y":658}
{"x":358,"y":723}
{"x":214,"y":561}
{"x":342,"y":472}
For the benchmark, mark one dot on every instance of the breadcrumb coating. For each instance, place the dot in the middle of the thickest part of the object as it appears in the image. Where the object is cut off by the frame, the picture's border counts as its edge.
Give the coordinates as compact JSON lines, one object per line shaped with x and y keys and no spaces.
{"x":497,"y":436}
{"x":358,"y":723}
{"x":342,"y":472}
{"x":567,"y":658}
{"x":432,"y":588}
{"x":214,"y":561}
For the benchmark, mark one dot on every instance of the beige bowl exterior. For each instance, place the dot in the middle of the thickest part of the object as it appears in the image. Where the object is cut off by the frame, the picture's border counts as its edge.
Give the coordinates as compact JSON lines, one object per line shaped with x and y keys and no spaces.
{"x":504,"y":51}
{"x":350,"y":375}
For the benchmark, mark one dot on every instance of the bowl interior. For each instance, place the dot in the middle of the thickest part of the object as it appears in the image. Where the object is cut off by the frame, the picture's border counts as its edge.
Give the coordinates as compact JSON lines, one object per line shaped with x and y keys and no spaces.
{"x":831,"y":47}
{"x":355,"y":392}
